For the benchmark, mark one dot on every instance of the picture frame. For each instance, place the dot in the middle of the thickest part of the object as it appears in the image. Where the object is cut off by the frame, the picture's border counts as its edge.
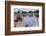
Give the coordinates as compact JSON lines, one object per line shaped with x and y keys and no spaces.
{"x":8,"y":16}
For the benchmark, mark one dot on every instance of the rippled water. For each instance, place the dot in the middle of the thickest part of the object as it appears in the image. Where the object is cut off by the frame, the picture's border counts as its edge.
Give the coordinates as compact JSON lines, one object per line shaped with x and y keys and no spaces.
{"x":30,"y":21}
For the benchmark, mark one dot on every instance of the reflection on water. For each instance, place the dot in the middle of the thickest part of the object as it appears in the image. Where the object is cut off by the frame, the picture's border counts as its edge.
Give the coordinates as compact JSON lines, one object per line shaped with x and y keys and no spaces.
{"x":29,"y":22}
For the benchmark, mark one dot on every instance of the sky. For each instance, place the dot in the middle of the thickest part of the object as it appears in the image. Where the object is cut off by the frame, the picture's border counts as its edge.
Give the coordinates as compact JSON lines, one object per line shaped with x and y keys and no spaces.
{"x":25,"y":9}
